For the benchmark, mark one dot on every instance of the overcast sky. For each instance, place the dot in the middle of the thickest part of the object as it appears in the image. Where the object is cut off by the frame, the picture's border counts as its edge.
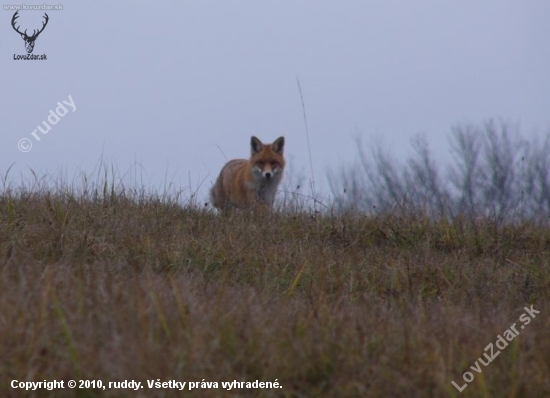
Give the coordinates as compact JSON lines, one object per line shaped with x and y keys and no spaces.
{"x":173,"y":84}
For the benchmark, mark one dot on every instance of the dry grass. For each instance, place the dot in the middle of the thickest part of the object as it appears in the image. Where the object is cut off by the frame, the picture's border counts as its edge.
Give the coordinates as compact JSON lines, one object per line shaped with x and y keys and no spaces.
{"x":112,"y":286}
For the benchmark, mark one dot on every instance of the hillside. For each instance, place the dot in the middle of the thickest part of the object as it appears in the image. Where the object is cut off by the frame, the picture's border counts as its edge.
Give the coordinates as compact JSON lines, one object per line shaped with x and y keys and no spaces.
{"x":115,"y":286}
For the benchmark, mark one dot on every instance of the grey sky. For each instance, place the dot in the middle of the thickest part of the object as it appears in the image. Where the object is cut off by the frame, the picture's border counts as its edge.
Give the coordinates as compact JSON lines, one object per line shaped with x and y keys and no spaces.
{"x":164,"y":83}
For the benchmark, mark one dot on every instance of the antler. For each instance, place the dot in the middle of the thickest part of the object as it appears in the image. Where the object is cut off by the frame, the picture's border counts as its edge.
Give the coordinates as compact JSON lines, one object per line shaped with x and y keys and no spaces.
{"x":15,"y":16}
{"x":35,"y":34}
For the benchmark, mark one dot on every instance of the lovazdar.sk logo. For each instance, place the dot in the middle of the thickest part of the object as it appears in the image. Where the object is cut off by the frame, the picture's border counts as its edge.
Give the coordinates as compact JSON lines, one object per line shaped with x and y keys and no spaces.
{"x":29,"y":39}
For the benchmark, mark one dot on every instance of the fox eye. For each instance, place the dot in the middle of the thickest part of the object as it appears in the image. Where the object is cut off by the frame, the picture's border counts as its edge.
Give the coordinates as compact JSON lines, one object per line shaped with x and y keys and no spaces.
{"x":260,"y":163}
{"x":273,"y":163}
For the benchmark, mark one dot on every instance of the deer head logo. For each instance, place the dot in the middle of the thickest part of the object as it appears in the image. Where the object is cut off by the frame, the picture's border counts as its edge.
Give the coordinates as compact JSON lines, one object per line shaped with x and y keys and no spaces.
{"x":29,"y":40}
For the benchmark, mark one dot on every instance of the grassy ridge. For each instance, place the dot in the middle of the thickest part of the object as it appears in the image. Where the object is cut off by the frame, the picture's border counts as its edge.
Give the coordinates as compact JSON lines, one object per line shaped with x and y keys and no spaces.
{"x":122,"y":287}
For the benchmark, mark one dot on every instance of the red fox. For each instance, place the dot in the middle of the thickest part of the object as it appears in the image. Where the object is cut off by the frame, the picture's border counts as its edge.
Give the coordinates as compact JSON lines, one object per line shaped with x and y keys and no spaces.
{"x":252,"y":183}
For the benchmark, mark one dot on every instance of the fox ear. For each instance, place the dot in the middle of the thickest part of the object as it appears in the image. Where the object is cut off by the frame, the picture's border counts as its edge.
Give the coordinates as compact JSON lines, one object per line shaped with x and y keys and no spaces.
{"x":279,"y":145}
{"x":255,"y":145}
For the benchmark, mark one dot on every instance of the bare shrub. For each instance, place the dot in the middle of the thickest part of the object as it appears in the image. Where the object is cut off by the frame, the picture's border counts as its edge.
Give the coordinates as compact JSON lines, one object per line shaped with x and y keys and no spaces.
{"x":493,"y":173}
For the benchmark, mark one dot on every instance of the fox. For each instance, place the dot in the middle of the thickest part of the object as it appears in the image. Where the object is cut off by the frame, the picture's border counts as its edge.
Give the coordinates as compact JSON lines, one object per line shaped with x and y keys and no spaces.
{"x":252,"y":183}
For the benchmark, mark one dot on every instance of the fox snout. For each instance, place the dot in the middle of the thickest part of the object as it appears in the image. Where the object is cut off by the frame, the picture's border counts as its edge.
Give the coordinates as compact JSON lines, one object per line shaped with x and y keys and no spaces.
{"x":267,"y":170}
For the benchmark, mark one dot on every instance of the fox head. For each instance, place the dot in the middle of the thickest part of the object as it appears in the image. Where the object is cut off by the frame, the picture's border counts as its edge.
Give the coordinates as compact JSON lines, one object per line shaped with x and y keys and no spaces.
{"x":267,"y":159}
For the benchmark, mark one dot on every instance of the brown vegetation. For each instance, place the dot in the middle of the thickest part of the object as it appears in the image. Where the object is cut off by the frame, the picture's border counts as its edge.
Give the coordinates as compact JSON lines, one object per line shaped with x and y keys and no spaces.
{"x":117,"y":286}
